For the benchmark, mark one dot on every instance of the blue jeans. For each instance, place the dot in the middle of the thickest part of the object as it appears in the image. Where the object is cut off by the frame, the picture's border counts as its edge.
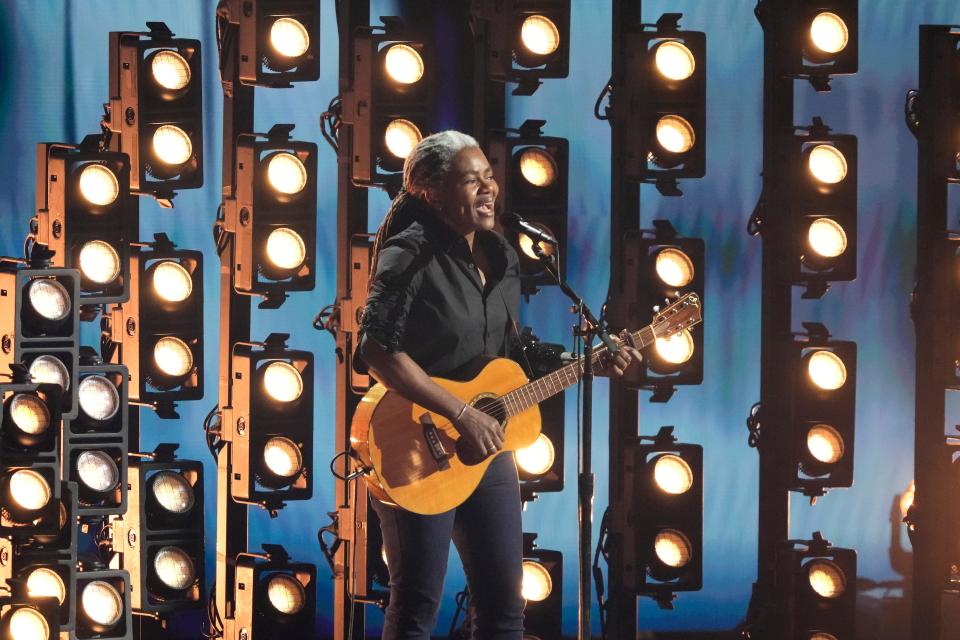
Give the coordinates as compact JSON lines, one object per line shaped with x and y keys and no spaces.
{"x":489,"y":536}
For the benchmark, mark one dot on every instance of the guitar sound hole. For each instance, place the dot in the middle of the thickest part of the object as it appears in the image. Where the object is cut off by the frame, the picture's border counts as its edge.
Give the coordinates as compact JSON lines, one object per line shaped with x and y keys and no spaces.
{"x":493,"y":407}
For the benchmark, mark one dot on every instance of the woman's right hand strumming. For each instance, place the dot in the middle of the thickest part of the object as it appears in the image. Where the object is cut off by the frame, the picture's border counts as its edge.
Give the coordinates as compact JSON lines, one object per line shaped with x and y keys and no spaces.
{"x":481,"y":431}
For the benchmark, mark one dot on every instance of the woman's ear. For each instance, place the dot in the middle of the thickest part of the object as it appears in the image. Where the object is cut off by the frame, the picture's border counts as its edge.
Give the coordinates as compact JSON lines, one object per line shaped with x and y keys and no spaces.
{"x":432,"y":198}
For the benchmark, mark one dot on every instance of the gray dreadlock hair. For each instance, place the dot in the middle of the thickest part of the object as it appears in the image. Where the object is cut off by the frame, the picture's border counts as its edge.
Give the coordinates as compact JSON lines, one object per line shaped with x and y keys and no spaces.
{"x":427,"y":167}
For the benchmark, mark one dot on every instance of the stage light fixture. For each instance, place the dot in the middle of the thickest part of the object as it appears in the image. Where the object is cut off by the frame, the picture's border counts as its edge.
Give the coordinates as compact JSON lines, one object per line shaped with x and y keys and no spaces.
{"x":815,"y":589}
{"x":156,"y":109}
{"x":818,"y":39}
{"x":103,"y":606}
{"x":165,"y":518}
{"x":273,"y":217}
{"x":30,"y":457}
{"x":85,"y":219}
{"x":663,"y":104}
{"x":279,"y":41}
{"x":39,"y":324}
{"x":822,"y":208}
{"x":668,"y":507}
{"x":541,"y":42}
{"x":540,"y":465}
{"x":660,"y":266}
{"x":95,"y":446}
{"x":23,"y":617}
{"x":274,"y":596}
{"x":50,"y":574}
{"x":271,"y":423}
{"x":542,"y":587}
{"x":159,"y":330}
{"x":391,"y":106}
{"x":822,"y":411}
{"x":532,"y":172}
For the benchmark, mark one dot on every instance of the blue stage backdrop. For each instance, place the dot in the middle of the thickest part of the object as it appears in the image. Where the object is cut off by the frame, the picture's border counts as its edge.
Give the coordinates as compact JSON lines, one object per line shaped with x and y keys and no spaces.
{"x":53,"y":82}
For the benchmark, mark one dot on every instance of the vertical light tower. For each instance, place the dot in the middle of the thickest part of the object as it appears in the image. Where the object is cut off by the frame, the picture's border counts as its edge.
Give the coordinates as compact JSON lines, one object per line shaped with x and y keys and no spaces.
{"x":934,"y":518}
{"x":657,"y":119}
{"x":804,"y":217}
{"x":265,"y":239}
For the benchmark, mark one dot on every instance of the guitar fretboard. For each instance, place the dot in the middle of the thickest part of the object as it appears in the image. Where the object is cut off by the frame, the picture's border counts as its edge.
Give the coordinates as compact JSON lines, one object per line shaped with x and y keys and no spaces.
{"x":521,"y":399}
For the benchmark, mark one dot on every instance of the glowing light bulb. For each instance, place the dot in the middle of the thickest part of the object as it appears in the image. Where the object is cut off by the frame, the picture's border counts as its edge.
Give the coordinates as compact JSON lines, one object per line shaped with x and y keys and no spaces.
{"x":102,"y":603}
{"x":404,"y":64}
{"x":26,"y":623}
{"x":540,"y":35}
{"x":829,"y":32}
{"x":674,"y":60}
{"x":97,"y":471}
{"x":286,"y":173}
{"x":51,"y":370}
{"x":675,"y":134}
{"x":282,"y":381}
{"x":672,"y":548}
{"x":282,"y":457}
{"x":46,"y":582}
{"x":906,"y":498}
{"x":170,"y":70}
{"x":49,"y":298}
{"x":172,"y":492}
{"x":538,"y":458}
{"x":827,"y":238}
{"x":826,"y":370}
{"x":672,"y":474}
{"x":401,"y":136}
{"x":29,"y":489}
{"x":825,"y":443}
{"x":826,"y":578}
{"x":674,"y":267}
{"x":285,"y":248}
{"x":29,"y":413}
{"x":173,"y":356}
{"x":171,"y":281}
{"x":827,"y":164}
{"x":289,"y":37}
{"x":676,"y":349}
{"x":538,"y":167}
{"x":99,"y":262}
{"x":98,"y":397}
{"x":99,"y":185}
{"x":537,"y":583}
{"x":172,"y":145}
{"x":285,"y":593}
{"x":174,"y":568}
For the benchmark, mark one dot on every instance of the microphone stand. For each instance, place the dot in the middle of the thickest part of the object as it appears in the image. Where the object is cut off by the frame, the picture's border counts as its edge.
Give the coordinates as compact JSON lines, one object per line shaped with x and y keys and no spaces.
{"x":585,"y":479}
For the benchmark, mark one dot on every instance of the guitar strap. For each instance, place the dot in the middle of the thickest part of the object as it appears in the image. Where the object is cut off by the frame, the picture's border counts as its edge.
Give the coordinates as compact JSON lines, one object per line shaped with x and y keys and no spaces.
{"x":516,"y":332}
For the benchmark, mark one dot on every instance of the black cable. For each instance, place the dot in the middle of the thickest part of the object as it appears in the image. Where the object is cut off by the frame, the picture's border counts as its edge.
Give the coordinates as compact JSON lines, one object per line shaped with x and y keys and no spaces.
{"x":214,"y":443}
{"x":351,"y":476}
{"x":753,"y":426}
{"x":463,"y":601}
{"x":910,"y":112}
{"x":601,"y":550}
{"x":330,"y":122}
{"x":607,"y":88}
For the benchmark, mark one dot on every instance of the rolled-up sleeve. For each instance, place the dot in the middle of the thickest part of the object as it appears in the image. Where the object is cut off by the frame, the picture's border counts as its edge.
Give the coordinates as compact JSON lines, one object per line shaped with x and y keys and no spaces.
{"x":393,"y":290}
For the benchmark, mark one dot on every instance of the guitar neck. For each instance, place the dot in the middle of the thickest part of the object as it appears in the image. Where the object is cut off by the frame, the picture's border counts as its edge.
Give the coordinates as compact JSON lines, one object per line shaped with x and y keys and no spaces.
{"x":533,"y":393}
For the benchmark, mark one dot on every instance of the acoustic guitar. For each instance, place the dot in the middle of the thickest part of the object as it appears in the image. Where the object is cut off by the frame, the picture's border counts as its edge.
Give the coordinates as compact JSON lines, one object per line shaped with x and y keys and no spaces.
{"x":415,"y":459}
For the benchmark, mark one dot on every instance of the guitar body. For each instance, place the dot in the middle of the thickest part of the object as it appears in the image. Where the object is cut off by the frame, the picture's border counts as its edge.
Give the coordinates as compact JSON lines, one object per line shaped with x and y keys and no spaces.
{"x":389,"y":436}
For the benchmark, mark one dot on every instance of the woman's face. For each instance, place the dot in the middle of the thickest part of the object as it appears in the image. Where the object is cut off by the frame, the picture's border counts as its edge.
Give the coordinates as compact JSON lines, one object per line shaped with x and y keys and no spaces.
{"x":466,"y":199}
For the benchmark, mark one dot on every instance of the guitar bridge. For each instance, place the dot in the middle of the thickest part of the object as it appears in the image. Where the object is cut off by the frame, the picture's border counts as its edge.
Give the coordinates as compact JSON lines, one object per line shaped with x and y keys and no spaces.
{"x":432,"y":437}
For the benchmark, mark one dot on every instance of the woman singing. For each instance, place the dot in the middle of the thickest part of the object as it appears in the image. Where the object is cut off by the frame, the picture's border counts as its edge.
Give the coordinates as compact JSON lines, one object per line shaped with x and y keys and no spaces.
{"x":445,"y":290}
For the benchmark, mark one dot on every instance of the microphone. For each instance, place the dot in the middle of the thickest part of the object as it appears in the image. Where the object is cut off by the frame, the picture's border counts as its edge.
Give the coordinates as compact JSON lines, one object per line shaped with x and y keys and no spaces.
{"x":514,"y":222}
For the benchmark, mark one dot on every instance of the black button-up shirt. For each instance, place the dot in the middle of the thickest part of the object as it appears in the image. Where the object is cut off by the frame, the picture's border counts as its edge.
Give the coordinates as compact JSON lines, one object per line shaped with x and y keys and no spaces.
{"x":427,"y":300}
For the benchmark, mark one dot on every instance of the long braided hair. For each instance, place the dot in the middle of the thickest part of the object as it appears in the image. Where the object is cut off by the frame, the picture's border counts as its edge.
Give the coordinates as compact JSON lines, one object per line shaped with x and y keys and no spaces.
{"x":427,"y":167}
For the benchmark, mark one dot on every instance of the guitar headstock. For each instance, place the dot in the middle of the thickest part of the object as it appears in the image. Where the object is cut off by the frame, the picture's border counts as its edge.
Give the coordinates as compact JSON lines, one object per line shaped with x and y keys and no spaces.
{"x":682,"y":314}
